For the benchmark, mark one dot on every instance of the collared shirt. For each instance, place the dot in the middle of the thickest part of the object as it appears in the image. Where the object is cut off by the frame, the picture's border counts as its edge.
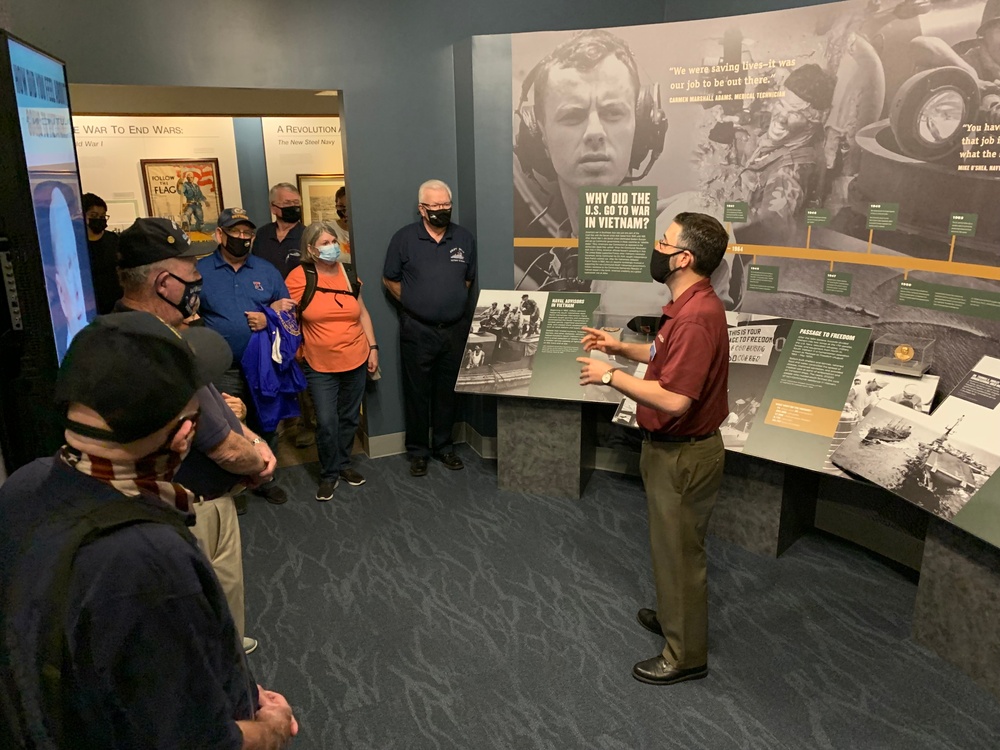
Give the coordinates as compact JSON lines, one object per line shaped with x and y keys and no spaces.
{"x":432,"y":274}
{"x":690,"y":356}
{"x":284,"y":255}
{"x":228,"y":294}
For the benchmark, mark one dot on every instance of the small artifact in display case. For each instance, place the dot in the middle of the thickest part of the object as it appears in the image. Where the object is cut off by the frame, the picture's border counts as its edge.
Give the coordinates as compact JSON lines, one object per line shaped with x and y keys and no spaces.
{"x":902,"y":355}
{"x":613,"y":330}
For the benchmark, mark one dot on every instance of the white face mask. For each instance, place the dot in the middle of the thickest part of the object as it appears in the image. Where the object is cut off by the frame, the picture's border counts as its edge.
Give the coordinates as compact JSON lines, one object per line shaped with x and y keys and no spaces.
{"x":329,"y":253}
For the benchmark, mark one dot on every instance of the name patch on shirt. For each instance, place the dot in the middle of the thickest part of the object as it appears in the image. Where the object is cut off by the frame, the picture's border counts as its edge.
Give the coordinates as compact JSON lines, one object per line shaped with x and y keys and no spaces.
{"x":457,"y":255}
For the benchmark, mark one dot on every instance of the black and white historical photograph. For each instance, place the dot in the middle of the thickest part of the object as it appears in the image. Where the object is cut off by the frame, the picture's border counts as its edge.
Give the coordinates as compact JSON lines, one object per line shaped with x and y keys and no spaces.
{"x":871,"y":387}
{"x":503,"y":340}
{"x":755,"y":345}
{"x":817,"y":128}
{"x":936,"y":461}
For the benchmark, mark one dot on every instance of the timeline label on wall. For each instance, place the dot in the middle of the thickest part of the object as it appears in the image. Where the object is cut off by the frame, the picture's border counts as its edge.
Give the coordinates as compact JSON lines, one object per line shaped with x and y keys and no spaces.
{"x":762,"y":279}
{"x":883,"y":215}
{"x":617,"y":229}
{"x":963,"y":225}
{"x":955,"y":299}
{"x":738,"y":211}
{"x":817,"y":217}
{"x":835,"y":282}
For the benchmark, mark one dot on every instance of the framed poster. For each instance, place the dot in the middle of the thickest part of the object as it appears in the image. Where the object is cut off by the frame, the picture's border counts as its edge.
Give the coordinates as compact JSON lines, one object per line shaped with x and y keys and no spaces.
{"x":318,"y":193}
{"x":188,"y":191}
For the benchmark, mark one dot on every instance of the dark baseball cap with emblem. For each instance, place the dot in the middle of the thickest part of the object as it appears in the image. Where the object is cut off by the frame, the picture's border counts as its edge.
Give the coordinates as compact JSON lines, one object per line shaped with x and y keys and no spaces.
{"x":151,"y":240}
{"x":137,"y":372}
{"x":233,"y":216}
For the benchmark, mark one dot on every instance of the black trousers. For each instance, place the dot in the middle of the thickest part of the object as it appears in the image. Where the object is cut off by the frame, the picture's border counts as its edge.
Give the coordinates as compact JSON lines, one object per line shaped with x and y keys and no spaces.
{"x":431,"y":358}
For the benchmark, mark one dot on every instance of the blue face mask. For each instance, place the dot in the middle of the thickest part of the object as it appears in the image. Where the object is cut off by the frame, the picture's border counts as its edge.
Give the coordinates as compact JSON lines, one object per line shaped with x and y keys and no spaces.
{"x":329,"y":253}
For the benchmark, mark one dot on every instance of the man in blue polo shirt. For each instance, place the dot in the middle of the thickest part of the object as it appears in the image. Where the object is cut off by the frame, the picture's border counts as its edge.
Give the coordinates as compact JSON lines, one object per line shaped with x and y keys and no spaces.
{"x":429,"y":268}
{"x":236,"y":286}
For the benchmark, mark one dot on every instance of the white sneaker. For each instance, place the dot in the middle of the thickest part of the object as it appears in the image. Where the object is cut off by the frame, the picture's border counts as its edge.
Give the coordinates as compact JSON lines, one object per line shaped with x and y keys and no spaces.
{"x":249,"y":645}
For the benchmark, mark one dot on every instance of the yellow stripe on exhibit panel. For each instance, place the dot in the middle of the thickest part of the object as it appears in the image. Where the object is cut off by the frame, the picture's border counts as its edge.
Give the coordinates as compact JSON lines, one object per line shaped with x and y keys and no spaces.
{"x":902,"y":262}
{"x":790,"y":415}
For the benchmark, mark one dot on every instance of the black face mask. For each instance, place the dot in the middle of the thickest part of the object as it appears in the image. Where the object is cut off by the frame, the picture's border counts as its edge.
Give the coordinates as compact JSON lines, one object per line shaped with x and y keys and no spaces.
{"x":97,"y":225}
{"x":342,"y":213}
{"x":659,"y":265}
{"x":190,"y":299}
{"x":291,"y":214}
{"x":238,"y":247}
{"x":439,"y":219}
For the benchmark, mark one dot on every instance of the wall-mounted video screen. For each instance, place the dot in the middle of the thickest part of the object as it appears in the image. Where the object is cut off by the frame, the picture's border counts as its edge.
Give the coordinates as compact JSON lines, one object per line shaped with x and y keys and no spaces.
{"x":47,"y":137}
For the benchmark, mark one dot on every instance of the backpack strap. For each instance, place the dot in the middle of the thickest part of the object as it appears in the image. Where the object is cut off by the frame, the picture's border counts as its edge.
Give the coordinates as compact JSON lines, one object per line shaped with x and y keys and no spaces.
{"x":92,"y":525}
{"x":352,"y":278}
{"x":312,"y":285}
{"x":312,"y":279}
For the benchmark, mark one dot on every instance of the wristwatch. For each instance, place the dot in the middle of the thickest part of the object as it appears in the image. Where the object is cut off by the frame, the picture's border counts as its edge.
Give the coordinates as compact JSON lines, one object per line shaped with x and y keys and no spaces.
{"x":373,"y":346}
{"x":606,"y":377}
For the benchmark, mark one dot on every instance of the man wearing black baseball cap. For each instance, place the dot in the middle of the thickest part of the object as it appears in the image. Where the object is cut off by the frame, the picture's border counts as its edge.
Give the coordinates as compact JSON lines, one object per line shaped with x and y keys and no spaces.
{"x":114,"y":632}
{"x":158,"y":273}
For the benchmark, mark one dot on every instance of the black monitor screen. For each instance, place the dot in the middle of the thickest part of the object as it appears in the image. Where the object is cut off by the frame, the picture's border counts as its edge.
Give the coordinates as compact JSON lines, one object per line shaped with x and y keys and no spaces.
{"x":47,"y":137}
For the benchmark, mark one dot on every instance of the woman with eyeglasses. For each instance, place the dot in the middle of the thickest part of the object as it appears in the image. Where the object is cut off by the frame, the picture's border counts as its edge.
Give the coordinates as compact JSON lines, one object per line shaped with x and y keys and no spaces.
{"x":338,"y":350}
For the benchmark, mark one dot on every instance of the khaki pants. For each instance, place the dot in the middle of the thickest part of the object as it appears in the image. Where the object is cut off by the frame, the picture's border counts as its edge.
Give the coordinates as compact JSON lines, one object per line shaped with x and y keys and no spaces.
{"x":218,"y":533}
{"x":682,"y":481}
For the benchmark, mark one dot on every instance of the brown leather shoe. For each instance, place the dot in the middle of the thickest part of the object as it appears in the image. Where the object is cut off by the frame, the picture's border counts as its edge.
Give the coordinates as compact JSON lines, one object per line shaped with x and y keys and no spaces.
{"x":450,"y":460}
{"x":418,"y":466}
{"x":647,"y":618}
{"x":658,"y":671}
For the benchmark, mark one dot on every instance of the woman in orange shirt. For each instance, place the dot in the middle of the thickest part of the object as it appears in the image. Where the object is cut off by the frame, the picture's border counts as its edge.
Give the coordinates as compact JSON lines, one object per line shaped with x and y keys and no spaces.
{"x":338,"y":350}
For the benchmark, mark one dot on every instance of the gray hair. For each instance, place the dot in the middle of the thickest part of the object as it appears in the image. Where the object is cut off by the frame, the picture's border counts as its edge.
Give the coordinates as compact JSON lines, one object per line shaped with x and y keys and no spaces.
{"x":432,"y":185}
{"x":312,"y":233}
{"x":273,"y":193}
{"x":135,"y":279}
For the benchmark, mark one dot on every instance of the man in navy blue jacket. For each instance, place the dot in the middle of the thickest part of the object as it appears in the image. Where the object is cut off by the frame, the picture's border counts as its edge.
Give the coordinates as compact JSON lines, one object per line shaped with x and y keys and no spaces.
{"x":114,"y":631}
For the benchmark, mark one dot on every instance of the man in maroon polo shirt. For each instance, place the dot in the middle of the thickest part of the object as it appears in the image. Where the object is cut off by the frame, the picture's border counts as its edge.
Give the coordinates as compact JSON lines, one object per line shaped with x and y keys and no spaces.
{"x":682,"y":402}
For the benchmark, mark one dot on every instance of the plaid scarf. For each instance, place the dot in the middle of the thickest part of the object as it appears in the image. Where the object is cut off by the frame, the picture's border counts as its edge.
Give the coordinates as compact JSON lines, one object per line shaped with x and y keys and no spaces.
{"x":149,"y":476}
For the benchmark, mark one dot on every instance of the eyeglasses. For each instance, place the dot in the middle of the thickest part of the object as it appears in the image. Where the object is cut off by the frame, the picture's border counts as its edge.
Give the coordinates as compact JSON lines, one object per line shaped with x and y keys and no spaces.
{"x":436,"y":206}
{"x":242,"y":234}
{"x":662,"y":245}
{"x":290,"y":204}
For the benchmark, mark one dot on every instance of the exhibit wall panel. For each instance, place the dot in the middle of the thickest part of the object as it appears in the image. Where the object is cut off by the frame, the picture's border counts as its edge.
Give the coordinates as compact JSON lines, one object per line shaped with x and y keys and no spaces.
{"x":110,"y":150}
{"x":301,"y":145}
{"x":848,"y":216}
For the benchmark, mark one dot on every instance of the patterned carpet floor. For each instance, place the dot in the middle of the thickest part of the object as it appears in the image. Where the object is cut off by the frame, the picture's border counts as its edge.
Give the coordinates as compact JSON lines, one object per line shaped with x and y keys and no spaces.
{"x":443,"y":613}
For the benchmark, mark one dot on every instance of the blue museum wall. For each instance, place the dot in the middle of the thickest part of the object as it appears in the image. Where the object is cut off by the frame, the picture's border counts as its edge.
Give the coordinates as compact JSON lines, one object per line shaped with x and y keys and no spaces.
{"x":252,"y":165}
{"x":394,"y":63}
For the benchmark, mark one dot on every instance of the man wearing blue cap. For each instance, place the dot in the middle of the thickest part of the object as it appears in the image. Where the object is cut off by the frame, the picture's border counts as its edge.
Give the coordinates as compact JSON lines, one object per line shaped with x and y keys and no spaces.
{"x":237,"y":285}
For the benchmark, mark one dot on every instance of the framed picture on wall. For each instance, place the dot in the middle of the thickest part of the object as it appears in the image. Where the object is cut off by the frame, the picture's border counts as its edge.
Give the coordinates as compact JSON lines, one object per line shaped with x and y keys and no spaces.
{"x":318,"y":193}
{"x":188,"y":191}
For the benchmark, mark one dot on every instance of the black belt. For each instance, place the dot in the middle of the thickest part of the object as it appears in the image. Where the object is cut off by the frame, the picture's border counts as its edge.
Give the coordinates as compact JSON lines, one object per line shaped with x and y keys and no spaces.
{"x":657,"y":437}
{"x":431,"y":324}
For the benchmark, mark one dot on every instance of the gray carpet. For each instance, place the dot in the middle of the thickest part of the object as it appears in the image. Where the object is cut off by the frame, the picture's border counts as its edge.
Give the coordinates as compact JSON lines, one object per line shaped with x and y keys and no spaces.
{"x":443,"y":613}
